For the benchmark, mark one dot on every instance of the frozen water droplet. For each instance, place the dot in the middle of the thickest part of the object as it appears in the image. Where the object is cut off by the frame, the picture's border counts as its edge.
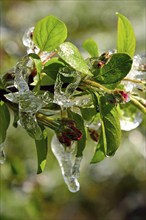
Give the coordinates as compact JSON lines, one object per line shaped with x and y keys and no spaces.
{"x":2,"y":154}
{"x":65,"y":160}
{"x":130,"y":122}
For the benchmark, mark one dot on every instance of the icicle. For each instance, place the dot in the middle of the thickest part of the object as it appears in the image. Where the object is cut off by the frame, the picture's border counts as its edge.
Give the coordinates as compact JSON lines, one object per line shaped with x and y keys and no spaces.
{"x":76,"y":167}
{"x":2,"y":154}
{"x":64,"y":99}
{"x":65,"y":161}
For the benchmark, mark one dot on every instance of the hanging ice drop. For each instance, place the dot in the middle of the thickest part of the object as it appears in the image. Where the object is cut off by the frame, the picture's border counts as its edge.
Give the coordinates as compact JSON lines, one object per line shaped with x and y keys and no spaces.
{"x":65,"y":161}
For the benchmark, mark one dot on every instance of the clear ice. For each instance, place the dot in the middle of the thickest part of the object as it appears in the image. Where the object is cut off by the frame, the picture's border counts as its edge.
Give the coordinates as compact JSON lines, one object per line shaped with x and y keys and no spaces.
{"x":138,"y":72}
{"x":28,"y":42}
{"x":64,"y":99}
{"x":130,"y":122}
{"x":69,"y":167}
{"x":2,"y":154}
{"x":28,"y":102}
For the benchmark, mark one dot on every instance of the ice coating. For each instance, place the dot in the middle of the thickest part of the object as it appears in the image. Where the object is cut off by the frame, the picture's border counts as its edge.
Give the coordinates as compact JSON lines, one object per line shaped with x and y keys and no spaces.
{"x":65,"y":160}
{"x":64,"y":99}
{"x":138,"y":72}
{"x":129,"y":123}
{"x":29,"y":103}
{"x":76,"y":167}
{"x":2,"y":154}
{"x":28,"y":42}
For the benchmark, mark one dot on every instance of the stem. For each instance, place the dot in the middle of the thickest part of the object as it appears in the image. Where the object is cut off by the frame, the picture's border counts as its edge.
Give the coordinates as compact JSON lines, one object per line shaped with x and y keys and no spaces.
{"x":137,"y":104}
{"x":95,"y":85}
{"x":134,"y":80}
{"x":48,"y":57}
{"x":46,"y":121}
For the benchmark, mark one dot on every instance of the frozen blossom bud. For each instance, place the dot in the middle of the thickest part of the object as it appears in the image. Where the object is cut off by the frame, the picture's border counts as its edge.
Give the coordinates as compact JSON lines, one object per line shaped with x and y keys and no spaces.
{"x":125,"y":96}
{"x":121,"y":96}
{"x":93,"y":134}
{"x":68,"y":132}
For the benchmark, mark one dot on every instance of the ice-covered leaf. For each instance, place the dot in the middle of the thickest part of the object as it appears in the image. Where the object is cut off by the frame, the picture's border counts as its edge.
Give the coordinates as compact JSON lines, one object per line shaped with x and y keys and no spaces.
{"x":4,"y":121}
{"x":71,"y":55}
{"x":91,"y":47}
{"x":41,"y":147}
{"x":126,"y":38}
{"x":110,"y":136}
{"x":80,"y":125}
{"x":115,"y":70}
{"x":49,"y":33}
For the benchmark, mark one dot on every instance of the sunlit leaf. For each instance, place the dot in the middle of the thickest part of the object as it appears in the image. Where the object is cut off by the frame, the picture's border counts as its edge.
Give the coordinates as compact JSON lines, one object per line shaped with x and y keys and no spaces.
{"x":91,"y":47}
{"x":49,"y":33}
{"x":110,"y":136}
{"x":126,"y":41}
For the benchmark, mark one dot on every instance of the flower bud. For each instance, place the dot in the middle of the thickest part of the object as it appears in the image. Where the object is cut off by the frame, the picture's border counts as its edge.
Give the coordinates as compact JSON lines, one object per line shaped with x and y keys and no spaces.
{"x":68,"y":132}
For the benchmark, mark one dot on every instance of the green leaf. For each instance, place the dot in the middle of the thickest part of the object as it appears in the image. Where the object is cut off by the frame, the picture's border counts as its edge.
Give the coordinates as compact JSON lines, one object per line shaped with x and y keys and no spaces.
{"x":37,"y":61}
{"x":4,"y":121}
{"x":91,"y":47}
{"x":126,"y":41}
{"x":80,"y":125}
{"x":71,"y":55}
{"x":99,"y":154}
{"x":1,"y":84}
{"x":41,"y":147}
{"x":88,"y":113}
{"x":115,"y":70}
{"x":110,"y":136}
{"x":49,"y":33}
{"x":51,"y":68}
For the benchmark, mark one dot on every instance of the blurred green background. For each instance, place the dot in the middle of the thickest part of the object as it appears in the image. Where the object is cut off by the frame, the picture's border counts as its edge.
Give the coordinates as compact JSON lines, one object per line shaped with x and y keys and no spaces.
{"x":111,"y":190}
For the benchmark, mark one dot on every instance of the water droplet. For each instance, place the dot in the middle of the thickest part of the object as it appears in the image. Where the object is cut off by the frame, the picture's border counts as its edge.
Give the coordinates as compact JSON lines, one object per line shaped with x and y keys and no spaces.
{"x":65,"y":160}
{"x":2,"y":154}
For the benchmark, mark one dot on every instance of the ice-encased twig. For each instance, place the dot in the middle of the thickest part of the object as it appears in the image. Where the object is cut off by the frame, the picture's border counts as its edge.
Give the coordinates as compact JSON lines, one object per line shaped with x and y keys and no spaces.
{"x":28,"y":102}
{"x":65,"y":160}
{"x":64,"y":99}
